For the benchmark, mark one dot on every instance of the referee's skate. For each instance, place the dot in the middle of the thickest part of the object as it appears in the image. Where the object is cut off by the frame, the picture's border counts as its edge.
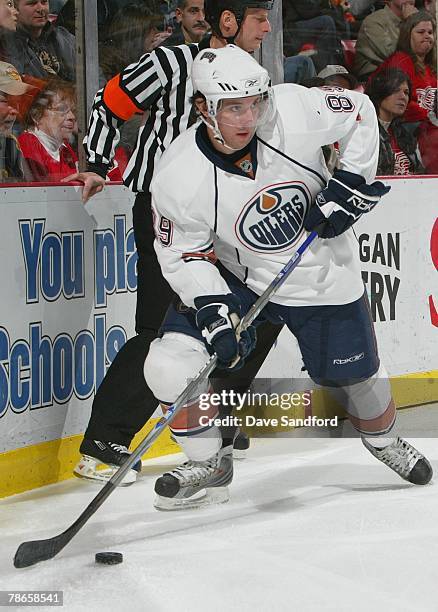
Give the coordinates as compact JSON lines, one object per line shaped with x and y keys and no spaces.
{"x":100,"y":460}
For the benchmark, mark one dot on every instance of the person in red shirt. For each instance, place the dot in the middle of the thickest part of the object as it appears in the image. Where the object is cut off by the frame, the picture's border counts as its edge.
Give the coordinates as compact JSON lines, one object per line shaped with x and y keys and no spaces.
{"x":50,"y":123}
{"x":416,"y":56}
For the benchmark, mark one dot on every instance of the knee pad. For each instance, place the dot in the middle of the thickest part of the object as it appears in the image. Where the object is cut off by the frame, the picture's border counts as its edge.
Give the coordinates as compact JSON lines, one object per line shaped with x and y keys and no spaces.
{"x":172,"y":362}
{"x":369,"y":404}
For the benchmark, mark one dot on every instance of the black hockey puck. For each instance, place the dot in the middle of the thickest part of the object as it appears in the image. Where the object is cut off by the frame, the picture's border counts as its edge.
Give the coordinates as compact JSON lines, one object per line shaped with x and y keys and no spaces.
{"x":109,"y":558}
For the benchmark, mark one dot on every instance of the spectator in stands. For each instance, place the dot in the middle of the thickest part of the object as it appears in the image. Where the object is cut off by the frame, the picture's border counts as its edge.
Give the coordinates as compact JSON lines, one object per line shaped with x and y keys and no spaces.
{"x":338,"y":76}
{"x":361,"y":8}
{"x":8,"y":15}
{"x":430,"y":7}
{"x":39,"y":48}
{"x":347,"y":26}
{"x":304,"y":23}
{"x":390,"y":92}
{"x":416,"y":56}
{"x":49,"y":124}
{"x":191,"y":26}
{"x":12,"y":167}
{"x":378,"y":36}
{"x":132,"y":32}
{"x":8,"y":24}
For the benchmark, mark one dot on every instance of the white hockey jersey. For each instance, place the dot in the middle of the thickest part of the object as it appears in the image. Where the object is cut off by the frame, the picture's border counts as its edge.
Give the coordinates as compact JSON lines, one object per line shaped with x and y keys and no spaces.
{"x":254,"y":225}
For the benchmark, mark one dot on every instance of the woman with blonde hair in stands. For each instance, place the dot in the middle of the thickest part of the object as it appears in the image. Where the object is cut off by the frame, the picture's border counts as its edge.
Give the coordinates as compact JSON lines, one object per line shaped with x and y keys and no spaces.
{"x":416,"y":56}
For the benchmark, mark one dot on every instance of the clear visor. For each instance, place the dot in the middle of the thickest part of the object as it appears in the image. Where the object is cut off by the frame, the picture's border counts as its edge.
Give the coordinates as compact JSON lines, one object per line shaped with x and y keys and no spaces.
{"x":250,"y":112}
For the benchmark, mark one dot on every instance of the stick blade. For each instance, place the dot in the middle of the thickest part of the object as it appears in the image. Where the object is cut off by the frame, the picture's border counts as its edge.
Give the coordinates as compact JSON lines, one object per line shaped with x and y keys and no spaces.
{"x":29,"y":553}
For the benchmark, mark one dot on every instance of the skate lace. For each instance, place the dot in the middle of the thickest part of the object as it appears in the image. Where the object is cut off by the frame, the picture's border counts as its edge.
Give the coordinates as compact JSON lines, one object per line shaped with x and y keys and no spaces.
{"x":194,"y":472}
{"x":400,"y":455}
{"x":119,"y":448}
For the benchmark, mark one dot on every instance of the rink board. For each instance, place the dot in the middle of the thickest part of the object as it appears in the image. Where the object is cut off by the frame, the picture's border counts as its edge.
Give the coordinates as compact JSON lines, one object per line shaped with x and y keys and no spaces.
{"x":68,"y":282}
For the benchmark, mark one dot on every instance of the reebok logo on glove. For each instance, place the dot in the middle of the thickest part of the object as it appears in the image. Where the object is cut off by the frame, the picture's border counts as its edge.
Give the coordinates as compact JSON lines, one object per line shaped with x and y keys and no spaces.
{"x":220,"y":322}
{"x":345,"y":199}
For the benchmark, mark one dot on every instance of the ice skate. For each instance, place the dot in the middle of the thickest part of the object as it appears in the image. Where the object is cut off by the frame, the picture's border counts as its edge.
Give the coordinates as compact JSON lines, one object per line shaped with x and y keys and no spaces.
{"x":100,"y":460}
{"x":196,"y":483}
{"x":404,"y":459}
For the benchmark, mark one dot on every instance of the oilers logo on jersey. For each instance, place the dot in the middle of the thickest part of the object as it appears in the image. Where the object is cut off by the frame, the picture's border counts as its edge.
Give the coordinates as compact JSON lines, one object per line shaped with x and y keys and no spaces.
{"x":272,"y":221}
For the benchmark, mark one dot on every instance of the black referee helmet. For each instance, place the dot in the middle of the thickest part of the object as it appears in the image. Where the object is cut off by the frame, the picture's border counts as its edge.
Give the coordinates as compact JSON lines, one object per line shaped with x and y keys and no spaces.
{"x":215,"y":8}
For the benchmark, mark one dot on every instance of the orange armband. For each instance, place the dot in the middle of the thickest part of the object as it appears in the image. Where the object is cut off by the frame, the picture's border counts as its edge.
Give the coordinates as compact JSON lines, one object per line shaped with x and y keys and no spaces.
{"x":118,"y":101}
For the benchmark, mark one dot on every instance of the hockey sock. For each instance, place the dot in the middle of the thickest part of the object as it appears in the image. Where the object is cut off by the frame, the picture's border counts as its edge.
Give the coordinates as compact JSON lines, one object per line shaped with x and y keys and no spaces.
{"x":201,"y":446}
{"x":369,"y":405}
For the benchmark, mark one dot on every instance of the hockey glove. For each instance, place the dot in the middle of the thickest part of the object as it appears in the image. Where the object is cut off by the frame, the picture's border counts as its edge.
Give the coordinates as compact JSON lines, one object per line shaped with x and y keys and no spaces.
{"x":217,"y":318}
{"x":345,"y":199}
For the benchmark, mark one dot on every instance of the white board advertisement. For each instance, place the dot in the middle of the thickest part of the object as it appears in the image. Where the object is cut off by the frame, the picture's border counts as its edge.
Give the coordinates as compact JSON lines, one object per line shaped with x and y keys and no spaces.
{"x":68,"y":299}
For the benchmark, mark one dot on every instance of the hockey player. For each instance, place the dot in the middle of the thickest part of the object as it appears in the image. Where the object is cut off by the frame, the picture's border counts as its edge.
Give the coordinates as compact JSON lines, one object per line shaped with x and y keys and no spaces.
{"x":252,"y":184}
{"x":160,"y":84}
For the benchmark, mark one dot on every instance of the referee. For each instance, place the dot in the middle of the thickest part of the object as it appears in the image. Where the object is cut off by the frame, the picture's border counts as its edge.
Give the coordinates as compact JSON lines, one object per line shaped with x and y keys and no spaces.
{"x":160,"y":84}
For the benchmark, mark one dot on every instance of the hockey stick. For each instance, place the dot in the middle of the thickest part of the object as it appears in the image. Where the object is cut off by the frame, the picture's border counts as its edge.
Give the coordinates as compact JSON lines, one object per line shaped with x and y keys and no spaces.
{"x":29,"y":553}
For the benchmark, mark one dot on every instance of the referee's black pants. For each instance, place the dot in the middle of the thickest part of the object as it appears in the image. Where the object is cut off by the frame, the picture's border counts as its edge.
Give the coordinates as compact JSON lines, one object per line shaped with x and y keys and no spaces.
{"x":123,"y":402}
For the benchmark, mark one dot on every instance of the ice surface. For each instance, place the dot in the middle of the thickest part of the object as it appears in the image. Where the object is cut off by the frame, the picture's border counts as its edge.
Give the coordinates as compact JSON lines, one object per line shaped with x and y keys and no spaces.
{"x":313,"y":524}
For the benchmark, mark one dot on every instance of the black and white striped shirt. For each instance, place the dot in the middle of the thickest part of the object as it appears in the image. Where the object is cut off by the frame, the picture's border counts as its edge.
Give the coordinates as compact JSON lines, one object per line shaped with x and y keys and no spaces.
{"x":159,"y":83}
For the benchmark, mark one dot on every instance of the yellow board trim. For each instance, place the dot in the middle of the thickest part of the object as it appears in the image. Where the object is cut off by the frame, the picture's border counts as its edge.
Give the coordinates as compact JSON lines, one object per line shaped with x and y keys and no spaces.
{"x":49,"y":462}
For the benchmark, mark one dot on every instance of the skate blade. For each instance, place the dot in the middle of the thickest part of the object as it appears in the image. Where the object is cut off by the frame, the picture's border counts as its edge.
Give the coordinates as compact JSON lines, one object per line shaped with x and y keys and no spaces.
{"x":87,"y":470}
{"x":206,"y":497}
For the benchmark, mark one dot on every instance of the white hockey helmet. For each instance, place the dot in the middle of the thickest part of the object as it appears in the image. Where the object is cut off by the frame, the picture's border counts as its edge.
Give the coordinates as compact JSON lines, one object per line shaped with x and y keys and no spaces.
{"x":228,"y":72}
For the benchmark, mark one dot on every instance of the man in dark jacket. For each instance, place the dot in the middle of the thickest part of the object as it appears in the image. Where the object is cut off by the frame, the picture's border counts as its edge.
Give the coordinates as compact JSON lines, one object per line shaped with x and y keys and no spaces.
{"x":304,"y":23}
{"x":39,"y":48}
